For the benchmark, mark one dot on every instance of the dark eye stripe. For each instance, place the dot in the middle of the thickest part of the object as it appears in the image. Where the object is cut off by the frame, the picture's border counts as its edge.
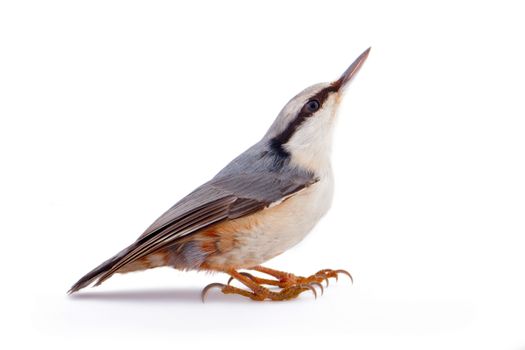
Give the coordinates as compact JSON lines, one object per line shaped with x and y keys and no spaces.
{"x":278,"y":141}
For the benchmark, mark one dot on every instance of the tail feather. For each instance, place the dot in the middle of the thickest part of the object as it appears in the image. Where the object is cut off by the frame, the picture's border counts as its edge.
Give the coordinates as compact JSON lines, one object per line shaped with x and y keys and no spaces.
{"x":97,"y":272}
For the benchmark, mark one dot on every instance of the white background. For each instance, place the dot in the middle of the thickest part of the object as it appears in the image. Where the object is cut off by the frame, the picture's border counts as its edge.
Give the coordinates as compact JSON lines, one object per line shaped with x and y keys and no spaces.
{"x":111,"y":111}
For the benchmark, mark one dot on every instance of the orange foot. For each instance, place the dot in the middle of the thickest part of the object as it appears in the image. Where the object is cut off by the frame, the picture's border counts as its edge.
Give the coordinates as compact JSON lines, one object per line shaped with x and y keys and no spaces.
{"x":285,"y":278}
{"x":291,"y":285}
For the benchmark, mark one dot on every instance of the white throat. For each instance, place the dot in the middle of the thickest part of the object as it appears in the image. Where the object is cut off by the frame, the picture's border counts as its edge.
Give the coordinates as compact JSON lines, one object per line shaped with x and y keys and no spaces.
{"x":310,"y":146}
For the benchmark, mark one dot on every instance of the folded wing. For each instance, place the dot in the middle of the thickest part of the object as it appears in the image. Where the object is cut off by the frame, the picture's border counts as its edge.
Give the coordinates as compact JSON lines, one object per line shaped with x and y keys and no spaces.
{"x":223,"y":198}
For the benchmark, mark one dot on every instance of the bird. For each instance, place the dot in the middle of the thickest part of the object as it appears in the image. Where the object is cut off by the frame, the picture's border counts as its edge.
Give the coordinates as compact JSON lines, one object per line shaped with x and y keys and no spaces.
{"x":261,"y":204}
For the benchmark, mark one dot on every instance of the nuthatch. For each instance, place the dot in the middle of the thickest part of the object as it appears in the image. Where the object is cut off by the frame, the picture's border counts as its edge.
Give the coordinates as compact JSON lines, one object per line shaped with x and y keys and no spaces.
{"x":261,"y":204}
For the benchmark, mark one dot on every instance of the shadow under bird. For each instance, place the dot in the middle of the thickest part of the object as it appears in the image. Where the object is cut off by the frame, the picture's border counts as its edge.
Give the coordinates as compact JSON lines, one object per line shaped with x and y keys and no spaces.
{"x":261,"y":204}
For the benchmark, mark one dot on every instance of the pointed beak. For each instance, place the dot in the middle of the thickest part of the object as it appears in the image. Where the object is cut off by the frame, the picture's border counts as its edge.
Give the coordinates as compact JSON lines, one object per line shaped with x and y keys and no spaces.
{"x":351,"y":71}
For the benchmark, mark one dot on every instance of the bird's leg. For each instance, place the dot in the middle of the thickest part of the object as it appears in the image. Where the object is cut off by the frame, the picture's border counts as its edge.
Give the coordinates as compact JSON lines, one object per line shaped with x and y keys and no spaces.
{"x":258,"y":280}
{"x":286,"y":279}
{"x":258,"y":292}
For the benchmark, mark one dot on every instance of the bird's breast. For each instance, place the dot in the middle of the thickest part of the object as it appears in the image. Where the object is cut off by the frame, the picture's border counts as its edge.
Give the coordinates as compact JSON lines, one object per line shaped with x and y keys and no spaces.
{"x":254,"y":239}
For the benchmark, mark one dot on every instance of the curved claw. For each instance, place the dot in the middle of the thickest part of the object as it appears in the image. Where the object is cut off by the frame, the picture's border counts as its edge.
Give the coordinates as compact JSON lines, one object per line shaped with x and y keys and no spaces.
{"x":319,"y":285}
{"x":322,"y":276}
{"x":325,"y":278}
{"x":210,"y":286}
{"x":311,"y":288}
{"x":345,"y":273}
{"x":328,"y":273}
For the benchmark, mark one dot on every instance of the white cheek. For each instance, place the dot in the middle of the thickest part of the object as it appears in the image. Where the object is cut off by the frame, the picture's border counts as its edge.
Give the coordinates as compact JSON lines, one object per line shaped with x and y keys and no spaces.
{"x":310,"y":145}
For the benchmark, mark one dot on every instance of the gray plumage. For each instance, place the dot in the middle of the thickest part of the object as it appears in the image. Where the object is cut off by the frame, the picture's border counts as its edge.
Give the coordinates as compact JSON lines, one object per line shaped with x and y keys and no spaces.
{"x":255,"y":179}
{"x":292,"y":155}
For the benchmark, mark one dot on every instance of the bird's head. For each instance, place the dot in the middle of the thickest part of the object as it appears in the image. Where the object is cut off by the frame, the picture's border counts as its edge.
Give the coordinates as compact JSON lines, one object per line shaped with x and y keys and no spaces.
{"x":303,"y":128}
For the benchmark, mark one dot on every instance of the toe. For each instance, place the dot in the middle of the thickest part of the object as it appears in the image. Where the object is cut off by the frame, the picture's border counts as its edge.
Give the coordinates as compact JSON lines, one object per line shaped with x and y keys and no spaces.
{"x":211,"y":286}
{"x":319,"y":285}
{"x":344,"y":272}
{"x":308,"y":286}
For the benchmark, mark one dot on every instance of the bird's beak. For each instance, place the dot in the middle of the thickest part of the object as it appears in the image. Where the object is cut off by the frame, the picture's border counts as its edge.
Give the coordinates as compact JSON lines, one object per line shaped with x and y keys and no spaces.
{"x":351,"y":71}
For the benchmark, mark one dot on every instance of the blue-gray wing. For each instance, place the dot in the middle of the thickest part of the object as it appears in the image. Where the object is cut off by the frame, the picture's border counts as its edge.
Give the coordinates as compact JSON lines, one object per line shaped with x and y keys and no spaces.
{"x":227,"y":196}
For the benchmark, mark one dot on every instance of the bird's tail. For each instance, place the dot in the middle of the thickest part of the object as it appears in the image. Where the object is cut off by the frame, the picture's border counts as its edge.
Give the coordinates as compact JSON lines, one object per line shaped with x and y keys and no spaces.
{"x":97,"y":272}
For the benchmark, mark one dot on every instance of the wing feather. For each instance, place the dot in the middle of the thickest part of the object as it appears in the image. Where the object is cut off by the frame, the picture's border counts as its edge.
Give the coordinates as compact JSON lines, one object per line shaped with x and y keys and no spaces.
{"x":220,"y":199}
{"x":226,"y":197}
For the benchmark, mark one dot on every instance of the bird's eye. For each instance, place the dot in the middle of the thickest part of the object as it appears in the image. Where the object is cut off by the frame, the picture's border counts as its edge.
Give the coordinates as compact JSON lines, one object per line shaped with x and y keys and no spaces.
{"x":312,"y":105}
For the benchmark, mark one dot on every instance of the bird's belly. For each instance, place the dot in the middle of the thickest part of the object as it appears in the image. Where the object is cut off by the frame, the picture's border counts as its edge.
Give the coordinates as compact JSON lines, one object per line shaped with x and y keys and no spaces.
{"x":259,"y":237}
